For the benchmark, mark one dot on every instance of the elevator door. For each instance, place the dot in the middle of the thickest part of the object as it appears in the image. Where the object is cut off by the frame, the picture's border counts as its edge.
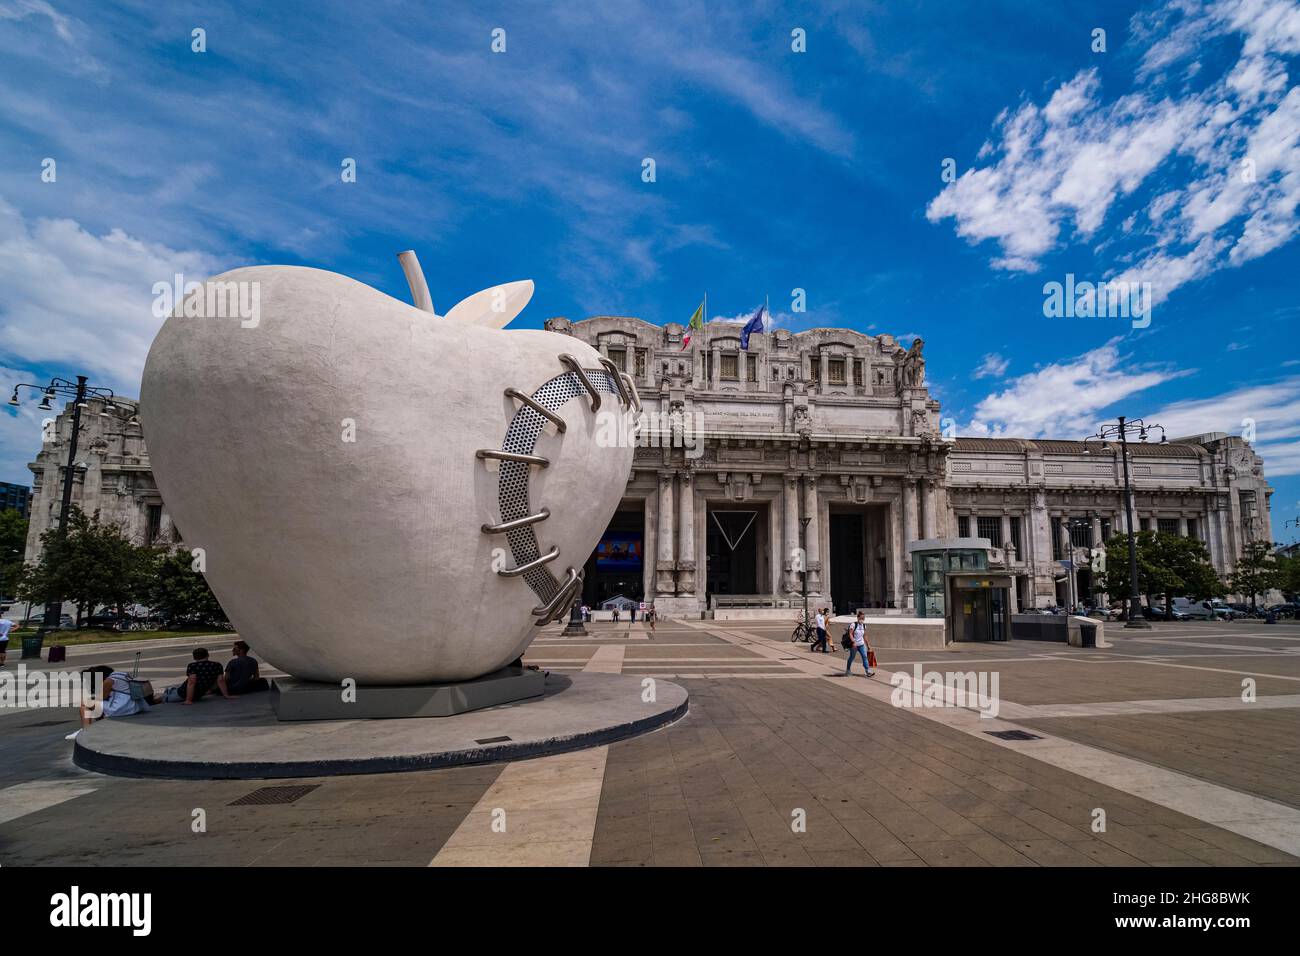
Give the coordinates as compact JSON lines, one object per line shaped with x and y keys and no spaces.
{"x":980,"y":614}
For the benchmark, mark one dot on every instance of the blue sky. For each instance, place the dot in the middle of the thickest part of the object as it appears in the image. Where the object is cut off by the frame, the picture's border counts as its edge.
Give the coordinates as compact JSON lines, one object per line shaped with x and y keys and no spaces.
{"x":775,"y":170}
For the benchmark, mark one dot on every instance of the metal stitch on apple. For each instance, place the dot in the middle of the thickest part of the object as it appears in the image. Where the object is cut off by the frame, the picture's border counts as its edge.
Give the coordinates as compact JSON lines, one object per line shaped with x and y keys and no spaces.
{"x":517,"y":457}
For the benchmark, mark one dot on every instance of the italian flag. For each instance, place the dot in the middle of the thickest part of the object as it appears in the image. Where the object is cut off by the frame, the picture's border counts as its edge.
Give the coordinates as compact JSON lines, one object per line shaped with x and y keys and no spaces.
{"x":697,"y":322}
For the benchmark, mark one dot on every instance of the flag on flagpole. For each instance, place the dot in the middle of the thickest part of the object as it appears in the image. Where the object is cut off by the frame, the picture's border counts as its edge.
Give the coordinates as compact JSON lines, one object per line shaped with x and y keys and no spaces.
{"x":697,"y":322}
{"x":755,"y":324}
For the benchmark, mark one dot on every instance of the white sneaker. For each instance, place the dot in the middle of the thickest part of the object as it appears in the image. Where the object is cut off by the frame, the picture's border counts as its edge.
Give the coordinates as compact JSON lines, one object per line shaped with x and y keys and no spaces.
{"x":73,"y":735}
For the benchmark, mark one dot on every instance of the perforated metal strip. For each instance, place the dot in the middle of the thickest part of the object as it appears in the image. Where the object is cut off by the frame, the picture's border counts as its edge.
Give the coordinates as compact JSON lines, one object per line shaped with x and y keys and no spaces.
{"x":512,"y":495}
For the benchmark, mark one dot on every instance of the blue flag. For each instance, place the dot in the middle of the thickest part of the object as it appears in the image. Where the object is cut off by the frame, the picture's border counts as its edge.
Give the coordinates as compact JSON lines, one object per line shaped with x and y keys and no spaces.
{"x":755,"y":324}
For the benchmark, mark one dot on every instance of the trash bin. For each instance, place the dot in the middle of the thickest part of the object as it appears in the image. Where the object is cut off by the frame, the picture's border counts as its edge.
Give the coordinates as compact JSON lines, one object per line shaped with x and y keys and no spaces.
{"x":1087,"y":634}
{"x":32,"y":647}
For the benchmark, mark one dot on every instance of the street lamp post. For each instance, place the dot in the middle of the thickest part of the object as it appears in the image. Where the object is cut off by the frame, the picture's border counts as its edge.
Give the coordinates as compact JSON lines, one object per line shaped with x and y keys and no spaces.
{"x":79,"y":392}
{"x":1122,"y":430}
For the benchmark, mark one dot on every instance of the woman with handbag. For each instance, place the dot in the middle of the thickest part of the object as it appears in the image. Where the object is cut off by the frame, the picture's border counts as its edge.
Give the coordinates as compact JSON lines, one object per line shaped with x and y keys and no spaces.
{"x":858,"y":644}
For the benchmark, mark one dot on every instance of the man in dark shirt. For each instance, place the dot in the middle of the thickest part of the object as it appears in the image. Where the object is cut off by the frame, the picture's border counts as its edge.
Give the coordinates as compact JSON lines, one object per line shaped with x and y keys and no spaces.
{"x":201,"y":675}
{"x":241,"y":671}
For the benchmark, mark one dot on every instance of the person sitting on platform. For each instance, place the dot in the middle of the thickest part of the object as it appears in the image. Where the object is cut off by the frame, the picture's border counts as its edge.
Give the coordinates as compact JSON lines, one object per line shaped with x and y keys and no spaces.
{"x":114,"y":697}
{"x":201,"y":676}
{"x":241,"y":672}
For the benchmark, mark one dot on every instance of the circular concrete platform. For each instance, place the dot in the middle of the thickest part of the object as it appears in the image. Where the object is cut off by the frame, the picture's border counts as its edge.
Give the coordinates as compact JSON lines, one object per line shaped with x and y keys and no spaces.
{"x":219,"y":739}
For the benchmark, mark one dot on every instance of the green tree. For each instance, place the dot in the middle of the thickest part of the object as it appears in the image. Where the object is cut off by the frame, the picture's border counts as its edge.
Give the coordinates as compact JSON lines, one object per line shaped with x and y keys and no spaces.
{"x":180,"y":594}
{"x":1288,"y":572}
{"x":13,"y":542}
{"x":1257,"y":571}
{"x":94,"y":565}
{"x":1169,"y":566}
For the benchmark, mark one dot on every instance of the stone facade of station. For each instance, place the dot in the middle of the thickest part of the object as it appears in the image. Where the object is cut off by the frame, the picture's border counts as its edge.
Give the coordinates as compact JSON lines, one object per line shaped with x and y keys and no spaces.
{"x":828,"y":425}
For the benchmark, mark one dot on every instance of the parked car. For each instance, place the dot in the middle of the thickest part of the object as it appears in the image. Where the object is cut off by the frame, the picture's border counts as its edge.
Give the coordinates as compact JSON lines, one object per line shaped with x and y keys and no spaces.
{"x":66,"y":623}
{"x":1282,"y":610}
{"x":110,"y":621}
{"x":1227,"y":611}
{"x":1204,"y":610}
{"x":1157,"y":613}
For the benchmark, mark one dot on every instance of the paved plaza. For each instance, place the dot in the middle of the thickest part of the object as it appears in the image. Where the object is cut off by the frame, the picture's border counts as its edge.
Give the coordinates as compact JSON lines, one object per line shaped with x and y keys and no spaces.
{"x":780,"y":761}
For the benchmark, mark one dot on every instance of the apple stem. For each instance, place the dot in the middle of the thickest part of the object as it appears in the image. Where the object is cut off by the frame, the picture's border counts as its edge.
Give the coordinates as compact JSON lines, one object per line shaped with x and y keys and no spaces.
{"x":415,"y":279}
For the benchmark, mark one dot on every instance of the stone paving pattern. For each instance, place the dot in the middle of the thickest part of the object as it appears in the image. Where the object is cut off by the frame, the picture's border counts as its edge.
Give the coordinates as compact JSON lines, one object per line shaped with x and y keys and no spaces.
{"x":767,"y":741}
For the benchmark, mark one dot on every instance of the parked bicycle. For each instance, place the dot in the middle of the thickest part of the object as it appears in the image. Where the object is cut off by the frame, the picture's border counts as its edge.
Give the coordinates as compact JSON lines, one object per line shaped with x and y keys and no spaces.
{"x":803,"y":631}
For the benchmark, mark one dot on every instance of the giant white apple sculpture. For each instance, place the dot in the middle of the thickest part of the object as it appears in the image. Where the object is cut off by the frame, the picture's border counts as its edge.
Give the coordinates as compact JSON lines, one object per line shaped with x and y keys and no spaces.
{"x":381,"y":493}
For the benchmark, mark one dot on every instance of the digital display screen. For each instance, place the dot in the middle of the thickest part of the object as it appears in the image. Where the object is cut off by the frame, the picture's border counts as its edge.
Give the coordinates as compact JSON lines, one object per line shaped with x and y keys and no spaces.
{"x":619,"y":551}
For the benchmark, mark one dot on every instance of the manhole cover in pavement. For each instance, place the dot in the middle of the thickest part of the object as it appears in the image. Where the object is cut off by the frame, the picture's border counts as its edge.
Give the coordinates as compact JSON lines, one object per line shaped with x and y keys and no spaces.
{"x":269,"y":795}
{"x":1013,"y":735}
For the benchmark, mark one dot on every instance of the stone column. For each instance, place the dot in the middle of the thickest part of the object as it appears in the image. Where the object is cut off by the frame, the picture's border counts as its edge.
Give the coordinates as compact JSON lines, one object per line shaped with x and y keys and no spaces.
{"x":790,"y":541}
{"x":928,"y":510}
{"x":664,"y":564}
{"x":686,"y":535}
{"x":909,"y":512}
{"x":898,"y":554}
{"x":812,"y":536}
{"x":1096,"y":533}
{"x":1207,"y":529}
{"x":716,"y":359}
{"x":1227,"y":543}
{"x":825,"y":380}
{"x":1038,"y":537}
{"x":1182,"y":526}
{"x":1006,"y":535}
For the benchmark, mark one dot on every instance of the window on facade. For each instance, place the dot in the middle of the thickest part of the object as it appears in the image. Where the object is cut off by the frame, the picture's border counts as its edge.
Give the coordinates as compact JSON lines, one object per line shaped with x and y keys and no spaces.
{"x":835,"y":371}
{"x":857,"y":372}
{"x":1167,"y":525}
{"x":640,"y":363}
{"x":963,"y":526}
{"x":619,"y":358}
{"x":1081,"y":533}
{"x":153,"y":524}
{"x":1015,"y":534}
{"x":1192,"y":529}
{"x":991,"y":528}
{"x":751,"y":364}
{"x":815,"y":370}
{"x":729,"y":371}
{"x":1106,"y":531}
{"x":1058,"y":551}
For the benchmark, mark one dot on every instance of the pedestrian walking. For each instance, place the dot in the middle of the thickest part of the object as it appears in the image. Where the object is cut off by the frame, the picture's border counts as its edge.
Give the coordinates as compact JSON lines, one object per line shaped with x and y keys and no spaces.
{"x":819,"y":621}
{"x":858,"y":644}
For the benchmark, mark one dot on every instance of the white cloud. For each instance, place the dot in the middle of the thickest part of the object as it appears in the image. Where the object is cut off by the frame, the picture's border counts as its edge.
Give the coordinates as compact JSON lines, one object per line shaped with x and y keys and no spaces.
{"x":67,"y":29}
{"x":1060,"y":168}
{"x":82,"y":303}
{"x":20,"y":428}
{"x":1063,"y":399}
{"x":1272,"y":409}
{"x":992,"y":366}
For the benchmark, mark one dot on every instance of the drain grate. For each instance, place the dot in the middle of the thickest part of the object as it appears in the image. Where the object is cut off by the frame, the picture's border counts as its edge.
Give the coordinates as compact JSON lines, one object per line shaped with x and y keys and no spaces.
{"x":1013,"y":735}
{"x":492,"y":740}
{"x":269,"y":795}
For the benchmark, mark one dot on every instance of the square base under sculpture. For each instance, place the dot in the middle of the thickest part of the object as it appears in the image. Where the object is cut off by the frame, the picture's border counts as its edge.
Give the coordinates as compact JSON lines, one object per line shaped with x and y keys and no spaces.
{"x":294,"y":699}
